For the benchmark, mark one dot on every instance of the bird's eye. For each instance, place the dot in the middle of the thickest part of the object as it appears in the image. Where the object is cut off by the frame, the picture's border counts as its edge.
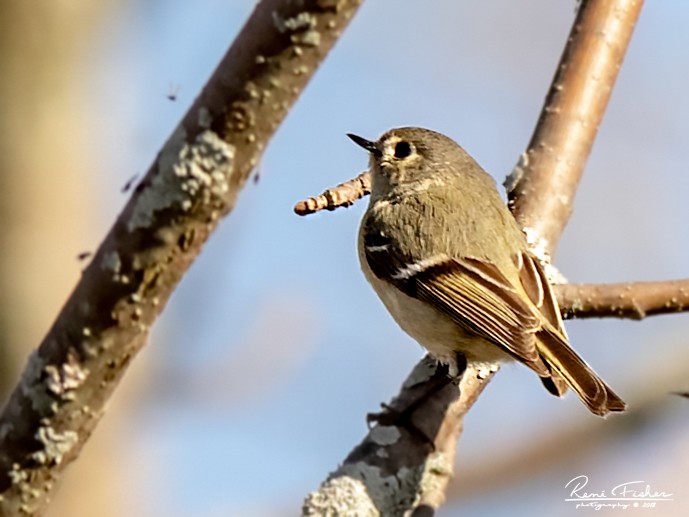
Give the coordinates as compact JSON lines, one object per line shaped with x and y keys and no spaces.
{"x":402,"y":149}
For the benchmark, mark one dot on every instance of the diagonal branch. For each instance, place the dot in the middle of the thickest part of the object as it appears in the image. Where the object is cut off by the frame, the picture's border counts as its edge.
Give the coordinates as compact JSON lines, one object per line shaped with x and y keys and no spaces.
{"x":194,"y":180}
{"x":542,"y":186}
{"x":405,"y":462}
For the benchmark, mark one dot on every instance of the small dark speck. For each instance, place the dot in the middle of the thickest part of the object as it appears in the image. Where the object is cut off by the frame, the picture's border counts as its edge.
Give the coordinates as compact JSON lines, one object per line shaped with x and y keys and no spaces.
{"x":684,"y":394}
{"x":257,"y":175}
{"x":84,"y":255}
{"x":129,"y":183}
{"x":172,"y":92}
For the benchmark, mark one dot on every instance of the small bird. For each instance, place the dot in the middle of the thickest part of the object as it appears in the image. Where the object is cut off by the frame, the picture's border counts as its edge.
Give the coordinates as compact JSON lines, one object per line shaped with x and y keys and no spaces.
{"x":451,"y":265}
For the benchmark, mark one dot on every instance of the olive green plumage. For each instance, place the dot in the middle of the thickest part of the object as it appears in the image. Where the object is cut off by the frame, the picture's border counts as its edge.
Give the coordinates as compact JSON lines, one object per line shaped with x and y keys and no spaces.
{"x":451,"y":265}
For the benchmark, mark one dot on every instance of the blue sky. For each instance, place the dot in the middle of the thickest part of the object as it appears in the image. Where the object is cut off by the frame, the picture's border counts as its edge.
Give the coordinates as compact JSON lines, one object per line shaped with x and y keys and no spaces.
{"x":274,"y":348}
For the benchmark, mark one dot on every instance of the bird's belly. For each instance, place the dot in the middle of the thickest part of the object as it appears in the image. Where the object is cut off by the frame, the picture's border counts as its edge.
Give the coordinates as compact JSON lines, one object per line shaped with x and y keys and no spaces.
{"x":435,"y":331}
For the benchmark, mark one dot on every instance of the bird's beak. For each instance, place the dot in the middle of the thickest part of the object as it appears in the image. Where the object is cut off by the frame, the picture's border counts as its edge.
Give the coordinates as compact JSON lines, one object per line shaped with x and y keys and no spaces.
{"x":371,"y":147}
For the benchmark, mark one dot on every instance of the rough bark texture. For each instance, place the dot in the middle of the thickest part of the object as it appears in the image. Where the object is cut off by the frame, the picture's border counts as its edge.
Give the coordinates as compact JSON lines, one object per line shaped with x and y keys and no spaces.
{"x":406,"y":461}
{"x":194,"y":180}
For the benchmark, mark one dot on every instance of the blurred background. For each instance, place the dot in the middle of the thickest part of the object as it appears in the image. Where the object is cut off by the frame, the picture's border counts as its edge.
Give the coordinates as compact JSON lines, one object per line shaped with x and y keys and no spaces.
{"x":258,"y":377}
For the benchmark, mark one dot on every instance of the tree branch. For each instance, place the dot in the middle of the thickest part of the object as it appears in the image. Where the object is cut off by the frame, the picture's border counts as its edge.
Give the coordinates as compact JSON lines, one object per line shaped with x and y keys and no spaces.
{"x":343,"y":195}
{"x":542,"y":186}
{"x":632,"y":300}
{"x":405,"y":463}
{"x":194,"y":180}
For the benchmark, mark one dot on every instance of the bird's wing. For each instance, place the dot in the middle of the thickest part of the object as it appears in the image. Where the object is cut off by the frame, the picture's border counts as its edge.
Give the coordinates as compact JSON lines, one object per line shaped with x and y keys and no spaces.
{"x":536,"y":286}
{"x":523,"y":319}
{"x":473,"y":292}
{"x":477,"y":295}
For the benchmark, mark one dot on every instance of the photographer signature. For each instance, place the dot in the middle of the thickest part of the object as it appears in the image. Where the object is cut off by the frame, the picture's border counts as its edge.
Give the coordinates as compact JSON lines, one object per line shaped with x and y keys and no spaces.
{"x":634,"y":494}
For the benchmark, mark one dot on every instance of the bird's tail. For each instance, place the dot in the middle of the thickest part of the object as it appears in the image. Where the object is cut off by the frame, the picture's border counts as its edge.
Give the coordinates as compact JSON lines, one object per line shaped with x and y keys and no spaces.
{"x":565,"y":365}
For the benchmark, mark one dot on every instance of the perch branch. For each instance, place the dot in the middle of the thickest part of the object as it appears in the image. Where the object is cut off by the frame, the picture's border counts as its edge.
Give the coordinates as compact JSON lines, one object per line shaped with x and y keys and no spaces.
{"x":194,"y":180}
{"x":405,"y":463}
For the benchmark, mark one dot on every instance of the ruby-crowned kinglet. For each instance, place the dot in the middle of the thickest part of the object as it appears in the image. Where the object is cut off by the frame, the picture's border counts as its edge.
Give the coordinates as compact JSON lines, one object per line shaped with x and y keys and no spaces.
{"x":452,"y":267}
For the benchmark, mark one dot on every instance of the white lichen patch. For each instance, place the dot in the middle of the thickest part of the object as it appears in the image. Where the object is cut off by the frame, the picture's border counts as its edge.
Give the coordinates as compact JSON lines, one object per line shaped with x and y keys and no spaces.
{"x":485,"y":369}
{"x":537,"y":244}
{"x":554,"y":275}
{"x":301,"y":22}
{"x":205,"y":165}
{"x":205,"y":118}
{"x":17,"y":474}
{"x":342,"y":496}
{"x":309,"y":38}
{"x":188,"y":173}
{"x":302,"y":28}
{"x":517,"y":172}
{"x":539,"y":247}
{"x":55,"y":445}
{"x":384,"y":435}
{"x":390,"y":495}
{"x":111,"y":262}
{"x":62,"y":380}
{"x":423,"y":371}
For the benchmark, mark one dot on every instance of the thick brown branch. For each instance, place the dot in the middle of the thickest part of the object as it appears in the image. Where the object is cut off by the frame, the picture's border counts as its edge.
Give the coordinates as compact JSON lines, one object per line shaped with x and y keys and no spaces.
{"x":541,"y":188}
{"x":194,"y":180}
{"x":406,"y":461}
{"x":633,"y":300}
